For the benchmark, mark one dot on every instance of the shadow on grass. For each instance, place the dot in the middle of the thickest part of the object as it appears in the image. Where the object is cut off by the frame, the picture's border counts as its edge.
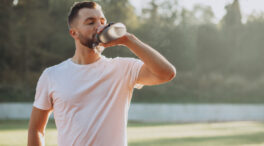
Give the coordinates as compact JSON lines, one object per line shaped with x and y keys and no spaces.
{"x":144,"y":124}
{"x":234,"y":140}
{"x":23,"y":124}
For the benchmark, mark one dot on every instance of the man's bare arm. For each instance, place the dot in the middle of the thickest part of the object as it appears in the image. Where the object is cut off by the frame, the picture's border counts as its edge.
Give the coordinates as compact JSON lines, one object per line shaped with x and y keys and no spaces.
{"x":37,"y":125}
{"x":156,"y":69}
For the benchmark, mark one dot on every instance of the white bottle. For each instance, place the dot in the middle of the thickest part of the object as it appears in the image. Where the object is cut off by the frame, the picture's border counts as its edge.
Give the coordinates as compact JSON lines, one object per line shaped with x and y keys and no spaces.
{"x":111,"y":32}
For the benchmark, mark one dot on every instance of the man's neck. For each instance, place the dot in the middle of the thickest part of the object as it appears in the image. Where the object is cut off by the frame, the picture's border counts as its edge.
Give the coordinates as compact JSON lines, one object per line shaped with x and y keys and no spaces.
{"x":84,"y":55}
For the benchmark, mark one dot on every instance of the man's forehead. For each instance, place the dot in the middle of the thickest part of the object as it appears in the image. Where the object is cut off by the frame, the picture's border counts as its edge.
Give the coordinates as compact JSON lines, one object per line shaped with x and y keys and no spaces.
{"x":90,"y":13}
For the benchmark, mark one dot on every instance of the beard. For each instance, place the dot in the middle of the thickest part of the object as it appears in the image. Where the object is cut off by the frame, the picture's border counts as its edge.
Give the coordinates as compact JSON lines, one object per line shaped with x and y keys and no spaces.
{"x":87,"y":41}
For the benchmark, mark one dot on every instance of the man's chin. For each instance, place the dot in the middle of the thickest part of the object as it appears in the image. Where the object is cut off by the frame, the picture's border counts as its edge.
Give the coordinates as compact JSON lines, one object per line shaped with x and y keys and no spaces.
{"x":88,"y":45}
{"x":95,"y":48}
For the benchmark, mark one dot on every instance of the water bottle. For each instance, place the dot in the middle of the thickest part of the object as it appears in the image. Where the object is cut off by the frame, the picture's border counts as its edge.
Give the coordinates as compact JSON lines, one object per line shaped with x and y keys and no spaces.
{"x":111,"y":32}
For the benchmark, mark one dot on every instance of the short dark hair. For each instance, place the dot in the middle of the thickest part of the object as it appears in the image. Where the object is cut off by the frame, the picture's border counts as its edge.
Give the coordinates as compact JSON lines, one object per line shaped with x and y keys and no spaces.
{"x":79,"y":5}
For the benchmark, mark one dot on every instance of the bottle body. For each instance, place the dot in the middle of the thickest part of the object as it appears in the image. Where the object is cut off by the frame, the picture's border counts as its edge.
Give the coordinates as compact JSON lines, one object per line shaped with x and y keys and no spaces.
{"x":110,"y":32}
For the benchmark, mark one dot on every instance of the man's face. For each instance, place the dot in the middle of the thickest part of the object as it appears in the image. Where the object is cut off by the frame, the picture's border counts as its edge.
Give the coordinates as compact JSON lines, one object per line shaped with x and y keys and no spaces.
{"x":86,"y":25}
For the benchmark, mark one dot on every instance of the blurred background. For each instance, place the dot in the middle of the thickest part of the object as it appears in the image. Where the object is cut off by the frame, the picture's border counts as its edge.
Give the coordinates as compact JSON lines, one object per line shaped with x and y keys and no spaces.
{"x":216,"y":46}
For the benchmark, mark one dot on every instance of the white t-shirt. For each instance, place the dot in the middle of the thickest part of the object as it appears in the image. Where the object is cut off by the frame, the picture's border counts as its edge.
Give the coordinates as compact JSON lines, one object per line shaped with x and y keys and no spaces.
{"x":90,"y":102}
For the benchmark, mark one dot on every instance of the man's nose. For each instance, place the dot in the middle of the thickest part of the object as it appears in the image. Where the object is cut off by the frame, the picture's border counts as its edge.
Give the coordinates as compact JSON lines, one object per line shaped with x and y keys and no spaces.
{"x":99,"y":27}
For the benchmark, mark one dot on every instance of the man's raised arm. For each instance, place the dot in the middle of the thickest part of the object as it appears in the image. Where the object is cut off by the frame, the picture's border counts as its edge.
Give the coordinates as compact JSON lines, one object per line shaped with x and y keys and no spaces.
{"x":156,"y":69}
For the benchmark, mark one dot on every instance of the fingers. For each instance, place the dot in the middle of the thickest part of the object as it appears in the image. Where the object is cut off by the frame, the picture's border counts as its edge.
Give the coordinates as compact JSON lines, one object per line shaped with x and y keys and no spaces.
{"x":118,"y":42}
{"x":110,"y":44}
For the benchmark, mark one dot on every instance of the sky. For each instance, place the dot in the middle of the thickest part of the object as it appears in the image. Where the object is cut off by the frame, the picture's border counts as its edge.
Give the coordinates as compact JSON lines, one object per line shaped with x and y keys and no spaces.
{"x":218,"y":6}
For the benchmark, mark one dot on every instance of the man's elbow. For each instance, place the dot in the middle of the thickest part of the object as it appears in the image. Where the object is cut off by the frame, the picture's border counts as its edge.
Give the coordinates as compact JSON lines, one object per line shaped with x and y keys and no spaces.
{"x":169,"y":75}
{"x":172,"y":73}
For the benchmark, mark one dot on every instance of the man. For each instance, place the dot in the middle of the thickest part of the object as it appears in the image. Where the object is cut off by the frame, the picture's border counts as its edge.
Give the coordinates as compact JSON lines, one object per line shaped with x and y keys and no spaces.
{"x":90,"y":94}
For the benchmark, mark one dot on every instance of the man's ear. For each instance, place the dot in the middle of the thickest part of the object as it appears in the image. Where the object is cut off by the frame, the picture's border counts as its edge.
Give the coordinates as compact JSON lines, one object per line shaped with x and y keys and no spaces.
{"x":73,"y":33}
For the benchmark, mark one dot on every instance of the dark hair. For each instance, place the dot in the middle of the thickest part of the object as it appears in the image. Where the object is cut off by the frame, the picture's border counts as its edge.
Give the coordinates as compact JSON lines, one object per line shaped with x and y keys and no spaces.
{"x":79,"y":5}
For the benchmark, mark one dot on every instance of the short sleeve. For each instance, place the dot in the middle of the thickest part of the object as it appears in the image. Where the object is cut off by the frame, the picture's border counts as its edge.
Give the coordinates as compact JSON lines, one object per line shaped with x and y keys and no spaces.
{"x":136,"y":67}
{"x":131,"y":68}
{"x":42,"y":96}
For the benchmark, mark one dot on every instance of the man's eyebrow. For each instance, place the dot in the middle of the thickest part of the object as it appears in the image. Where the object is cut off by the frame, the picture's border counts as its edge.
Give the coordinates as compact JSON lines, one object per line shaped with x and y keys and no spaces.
{"x":92,"y":18}
{"x":89,"y":18}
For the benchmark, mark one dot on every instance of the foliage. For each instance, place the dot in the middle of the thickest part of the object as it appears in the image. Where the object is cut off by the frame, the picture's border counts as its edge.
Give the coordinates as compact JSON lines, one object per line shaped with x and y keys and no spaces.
{"x":215,"y":62}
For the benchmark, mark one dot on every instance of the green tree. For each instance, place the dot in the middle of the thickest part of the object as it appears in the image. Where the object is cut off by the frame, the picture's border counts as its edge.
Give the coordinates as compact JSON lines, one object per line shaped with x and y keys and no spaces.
{"x":232,"y":19}
{"x":5,"y":37}
{"x":120,"y":11}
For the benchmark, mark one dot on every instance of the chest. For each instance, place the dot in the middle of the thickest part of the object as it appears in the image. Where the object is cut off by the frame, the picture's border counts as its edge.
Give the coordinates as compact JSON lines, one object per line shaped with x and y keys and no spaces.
{"x":86,"y":86}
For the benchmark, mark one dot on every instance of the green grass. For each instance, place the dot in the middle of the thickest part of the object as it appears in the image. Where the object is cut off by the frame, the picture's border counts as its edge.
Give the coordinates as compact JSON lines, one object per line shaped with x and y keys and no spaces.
{"x":14,"y":133}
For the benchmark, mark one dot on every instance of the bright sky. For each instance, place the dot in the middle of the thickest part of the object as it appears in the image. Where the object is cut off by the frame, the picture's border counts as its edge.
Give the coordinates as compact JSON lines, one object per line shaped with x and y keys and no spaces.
{"x":218,"y":6}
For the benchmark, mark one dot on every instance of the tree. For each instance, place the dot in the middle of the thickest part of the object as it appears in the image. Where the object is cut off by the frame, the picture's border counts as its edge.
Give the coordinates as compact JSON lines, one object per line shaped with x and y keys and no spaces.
{"x":198,"y":15}
{"x":162,"y":13}
{"x":231,"y":31}
{"x":120,"y":11}
{"x":5,"y":37}
{"x":232,"y":18}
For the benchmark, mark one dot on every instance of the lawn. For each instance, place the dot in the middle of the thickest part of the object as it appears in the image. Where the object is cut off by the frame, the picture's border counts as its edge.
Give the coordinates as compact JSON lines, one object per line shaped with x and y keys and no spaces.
{"x":14,"y":133}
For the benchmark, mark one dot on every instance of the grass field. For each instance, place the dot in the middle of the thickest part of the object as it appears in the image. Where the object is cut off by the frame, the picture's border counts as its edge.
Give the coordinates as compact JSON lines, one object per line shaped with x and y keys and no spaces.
{"x":14,"y":133}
